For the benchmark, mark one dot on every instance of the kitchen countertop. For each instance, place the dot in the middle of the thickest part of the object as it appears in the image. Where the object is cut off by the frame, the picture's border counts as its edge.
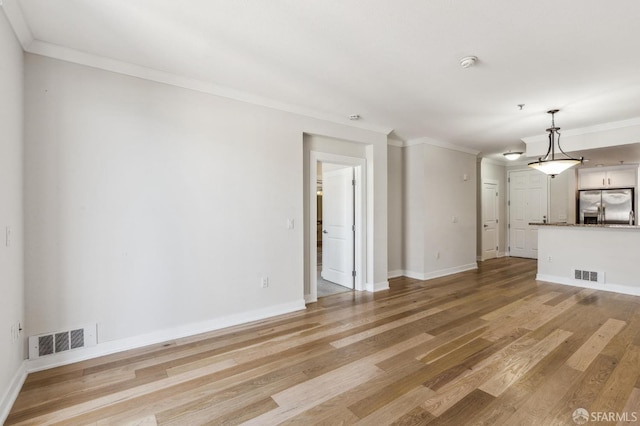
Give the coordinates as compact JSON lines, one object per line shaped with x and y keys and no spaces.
{"x":579,"y":225}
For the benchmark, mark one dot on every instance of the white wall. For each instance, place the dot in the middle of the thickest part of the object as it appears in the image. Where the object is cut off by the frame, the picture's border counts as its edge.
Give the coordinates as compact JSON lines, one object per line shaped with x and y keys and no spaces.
{"x":395,"y":209}
{"x":562,"y":249}
{"x":11,"y":257}
{"x":440,"y":211}
{"x":414,"y":238}
{"x":562,"y":197}
{"x":447,"y":196}
{"x":151,"y":207}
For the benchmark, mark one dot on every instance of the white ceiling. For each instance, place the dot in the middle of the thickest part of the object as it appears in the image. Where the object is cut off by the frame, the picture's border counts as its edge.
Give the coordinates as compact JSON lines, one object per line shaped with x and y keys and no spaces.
{"x":393,"y":62}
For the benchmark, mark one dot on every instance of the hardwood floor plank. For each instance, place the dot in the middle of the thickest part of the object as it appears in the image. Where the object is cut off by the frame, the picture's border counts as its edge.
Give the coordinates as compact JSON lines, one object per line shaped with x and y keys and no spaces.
{"x":397,"y":408}
{"x":539,"y":320}
{"x":458,"y":388}
{"x":518,"y":306}
{"x":417,"y":416}
{"x":632,"y":407}
{"x":584,"y":391}
{"x":620,"y":383}
{"x":464,"y":410}
{"x":304,"y":396}
{"x":338,"y":404}
{"x":538,"y":405}
{"x":516,"y":367}
{"x":144,"y":421}
{"x":530,"y":394}
{"x":453,"y":370}
{"x":345,"y":341}
{"x":448,"y":348}
{"x":487,"y":347}
{"x":581,"y":359}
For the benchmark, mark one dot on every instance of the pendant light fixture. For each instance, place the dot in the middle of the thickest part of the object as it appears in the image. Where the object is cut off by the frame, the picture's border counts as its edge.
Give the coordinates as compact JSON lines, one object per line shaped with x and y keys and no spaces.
{"x":549,"y":164}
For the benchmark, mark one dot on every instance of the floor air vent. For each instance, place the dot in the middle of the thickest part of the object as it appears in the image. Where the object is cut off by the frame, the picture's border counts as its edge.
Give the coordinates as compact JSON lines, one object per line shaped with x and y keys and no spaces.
{"x":591,"y":276}
{"x":61,"y":341}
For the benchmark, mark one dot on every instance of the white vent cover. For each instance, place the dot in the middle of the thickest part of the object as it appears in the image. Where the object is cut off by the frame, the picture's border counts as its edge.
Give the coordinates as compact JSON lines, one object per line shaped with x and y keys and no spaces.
{"x":62,"y":341}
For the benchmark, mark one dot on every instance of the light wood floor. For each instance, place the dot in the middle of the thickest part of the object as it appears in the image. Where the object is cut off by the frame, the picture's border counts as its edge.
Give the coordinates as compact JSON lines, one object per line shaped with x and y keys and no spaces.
{"x":489,"y":347}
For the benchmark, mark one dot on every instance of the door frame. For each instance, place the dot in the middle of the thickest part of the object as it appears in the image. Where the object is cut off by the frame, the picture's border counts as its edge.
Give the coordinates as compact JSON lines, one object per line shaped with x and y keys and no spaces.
{"x":360,"y":196}
{"x":508,"y":201}
{"x":496,"y":202}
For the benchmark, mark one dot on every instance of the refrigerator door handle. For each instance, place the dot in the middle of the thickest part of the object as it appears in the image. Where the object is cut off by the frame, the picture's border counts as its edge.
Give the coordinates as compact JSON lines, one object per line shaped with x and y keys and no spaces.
{"x":604,"y":214}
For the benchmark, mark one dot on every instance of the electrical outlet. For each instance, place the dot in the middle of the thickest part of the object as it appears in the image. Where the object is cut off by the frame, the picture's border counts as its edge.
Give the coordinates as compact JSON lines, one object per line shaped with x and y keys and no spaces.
{"x":549,"y":258}
{"x":438,"y":254}
{"x":264,"y":282}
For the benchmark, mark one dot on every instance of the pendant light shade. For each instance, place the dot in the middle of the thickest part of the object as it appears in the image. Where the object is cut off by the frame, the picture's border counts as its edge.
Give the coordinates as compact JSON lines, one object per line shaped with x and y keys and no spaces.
{"x":549,"y":164}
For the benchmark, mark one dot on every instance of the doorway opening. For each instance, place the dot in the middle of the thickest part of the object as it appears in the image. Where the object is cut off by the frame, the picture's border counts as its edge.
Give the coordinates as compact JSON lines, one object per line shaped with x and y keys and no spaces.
{"x":337,"y":225}
{"x":335,"y":228}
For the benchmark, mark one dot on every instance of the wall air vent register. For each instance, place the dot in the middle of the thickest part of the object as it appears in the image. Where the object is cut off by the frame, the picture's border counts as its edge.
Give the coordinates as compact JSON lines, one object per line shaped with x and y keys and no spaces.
{"x":62,"y":341}
{"x":591,"y":276}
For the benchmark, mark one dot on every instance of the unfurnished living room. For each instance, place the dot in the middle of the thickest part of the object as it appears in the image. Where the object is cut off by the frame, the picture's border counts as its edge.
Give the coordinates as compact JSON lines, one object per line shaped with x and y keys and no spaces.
{"x":338,"y":212}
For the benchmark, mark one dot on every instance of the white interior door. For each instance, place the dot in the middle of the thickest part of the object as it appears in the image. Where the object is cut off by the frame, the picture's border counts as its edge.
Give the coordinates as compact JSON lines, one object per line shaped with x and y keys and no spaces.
{"x":528,"y":195}
{"x":338,"y":226}
{"x":489,"y":220}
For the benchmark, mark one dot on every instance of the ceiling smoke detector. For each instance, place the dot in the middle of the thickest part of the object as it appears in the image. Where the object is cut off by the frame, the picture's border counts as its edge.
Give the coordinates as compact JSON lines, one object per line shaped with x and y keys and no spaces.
{"x":468,"y":61}
{"x":354,"y":117}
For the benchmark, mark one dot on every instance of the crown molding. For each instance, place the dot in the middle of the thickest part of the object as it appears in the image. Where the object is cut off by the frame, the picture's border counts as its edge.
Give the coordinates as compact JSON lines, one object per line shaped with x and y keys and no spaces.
{"x":596,"y":128}
{"x":440,"y":144}
{"x":31,"y":45}
{"x":120,"y":67}
{"x":14,"y":15}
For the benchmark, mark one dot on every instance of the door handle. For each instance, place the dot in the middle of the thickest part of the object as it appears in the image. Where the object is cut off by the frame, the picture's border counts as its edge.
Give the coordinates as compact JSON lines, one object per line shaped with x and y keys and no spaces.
{"x":324,"y":231}
{"x":486,"y":225}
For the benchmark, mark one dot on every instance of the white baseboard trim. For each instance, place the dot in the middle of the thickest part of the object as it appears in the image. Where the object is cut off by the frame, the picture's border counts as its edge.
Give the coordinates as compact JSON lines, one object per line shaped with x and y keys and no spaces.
{"x":374,"y":287}
{"x":615,"y":288}
{"x":381,"y":286}
{"x":441,"y":272}
{"x":498,"y":254}
{"x":160,"y":336}
{"x":9,"y":397}
{"x":395,"y":274}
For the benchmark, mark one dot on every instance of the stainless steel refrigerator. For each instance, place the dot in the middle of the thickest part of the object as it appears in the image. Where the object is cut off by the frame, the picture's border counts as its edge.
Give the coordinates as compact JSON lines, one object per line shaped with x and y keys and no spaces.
{"x":606,"y":206}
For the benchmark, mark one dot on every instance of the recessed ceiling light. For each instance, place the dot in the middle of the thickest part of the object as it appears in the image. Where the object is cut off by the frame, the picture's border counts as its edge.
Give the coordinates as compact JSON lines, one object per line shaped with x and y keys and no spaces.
{"x":354,"y":117}
{"x":468,"y":61}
